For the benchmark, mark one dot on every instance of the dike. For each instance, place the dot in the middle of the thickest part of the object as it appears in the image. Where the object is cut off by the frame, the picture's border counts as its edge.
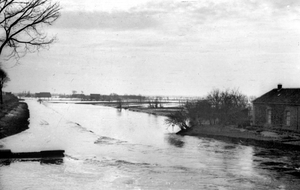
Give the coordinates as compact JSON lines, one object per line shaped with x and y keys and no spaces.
{"x":14,"y":120}
{"x":284,"y":141}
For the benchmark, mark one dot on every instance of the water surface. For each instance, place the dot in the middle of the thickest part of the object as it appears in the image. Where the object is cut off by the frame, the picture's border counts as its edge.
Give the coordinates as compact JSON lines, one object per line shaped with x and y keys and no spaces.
{"x":109,"y":149}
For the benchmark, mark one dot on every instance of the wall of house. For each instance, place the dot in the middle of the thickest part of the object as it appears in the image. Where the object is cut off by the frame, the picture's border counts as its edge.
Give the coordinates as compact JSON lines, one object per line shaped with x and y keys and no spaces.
{"x":294,"y":118}
{"x":260,"y":114}
{"x":278,"y":116}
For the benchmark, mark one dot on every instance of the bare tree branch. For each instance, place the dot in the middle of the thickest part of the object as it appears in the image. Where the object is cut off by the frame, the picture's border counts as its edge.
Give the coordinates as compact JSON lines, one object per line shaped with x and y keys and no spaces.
{"x":5,"y":4}
{"x":22,"y":22}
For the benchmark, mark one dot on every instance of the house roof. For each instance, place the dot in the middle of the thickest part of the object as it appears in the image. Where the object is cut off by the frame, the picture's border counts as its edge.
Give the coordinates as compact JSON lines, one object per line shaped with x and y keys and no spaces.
{"x":289,"y":96}
{"x":43,"y":94}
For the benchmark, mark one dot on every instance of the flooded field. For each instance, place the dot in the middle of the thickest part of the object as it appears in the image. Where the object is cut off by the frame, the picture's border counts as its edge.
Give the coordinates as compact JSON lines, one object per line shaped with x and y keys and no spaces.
{"x":110,"y":149}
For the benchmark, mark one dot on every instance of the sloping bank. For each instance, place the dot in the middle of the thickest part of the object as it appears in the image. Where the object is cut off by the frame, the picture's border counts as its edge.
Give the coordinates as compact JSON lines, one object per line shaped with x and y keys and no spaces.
{"x":256,"y":136}
{"x":251,"y":135}
{"x":14,"y":119}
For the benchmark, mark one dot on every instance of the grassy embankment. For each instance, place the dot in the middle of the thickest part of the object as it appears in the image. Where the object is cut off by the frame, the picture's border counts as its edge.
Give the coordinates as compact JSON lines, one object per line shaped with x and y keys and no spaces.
{"x":13,"y":116}
{"x":250,"y":135}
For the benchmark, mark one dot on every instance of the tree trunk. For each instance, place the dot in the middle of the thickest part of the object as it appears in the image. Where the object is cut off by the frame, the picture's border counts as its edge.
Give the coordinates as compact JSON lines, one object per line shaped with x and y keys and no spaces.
{"x":1,"y":97}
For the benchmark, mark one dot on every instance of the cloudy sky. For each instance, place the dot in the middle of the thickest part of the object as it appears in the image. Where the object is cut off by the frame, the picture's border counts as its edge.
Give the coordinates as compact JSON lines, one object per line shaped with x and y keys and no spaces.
{"x":166,"y":47}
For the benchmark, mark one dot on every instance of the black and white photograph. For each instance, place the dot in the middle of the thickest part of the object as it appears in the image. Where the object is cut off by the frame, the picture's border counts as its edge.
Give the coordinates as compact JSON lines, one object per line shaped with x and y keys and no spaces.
{"x":149,"y":94}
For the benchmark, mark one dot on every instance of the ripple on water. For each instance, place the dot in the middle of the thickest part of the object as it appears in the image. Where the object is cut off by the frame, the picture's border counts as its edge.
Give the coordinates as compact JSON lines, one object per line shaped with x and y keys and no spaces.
{"x":108,"y":141}
{"x":148,"y":159}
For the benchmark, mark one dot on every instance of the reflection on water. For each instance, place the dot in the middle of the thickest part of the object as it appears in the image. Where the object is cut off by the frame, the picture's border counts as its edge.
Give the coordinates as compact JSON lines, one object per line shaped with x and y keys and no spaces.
{"x":129,"y":150}
{"x":119,"y":112}
{"x":5,"y":162}
{"x":174,"y":140}
{"x":56,"y":161}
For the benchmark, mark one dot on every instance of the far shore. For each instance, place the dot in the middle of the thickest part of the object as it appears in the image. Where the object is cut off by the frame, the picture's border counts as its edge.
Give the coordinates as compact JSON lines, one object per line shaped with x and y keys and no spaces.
{"x":155,"y":111}
{"x":137,"y":107}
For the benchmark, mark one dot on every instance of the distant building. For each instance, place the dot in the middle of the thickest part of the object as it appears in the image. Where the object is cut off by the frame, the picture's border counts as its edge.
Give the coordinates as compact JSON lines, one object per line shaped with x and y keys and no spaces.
{"x":279,"y":108}
{"x":80,"y":96}
{"x":95,"y":97}
{"x":43,"y":95}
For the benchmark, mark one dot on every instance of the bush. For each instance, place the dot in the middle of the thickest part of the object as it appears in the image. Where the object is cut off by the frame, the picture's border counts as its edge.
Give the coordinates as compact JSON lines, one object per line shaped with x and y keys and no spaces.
{"x":219,"y":107}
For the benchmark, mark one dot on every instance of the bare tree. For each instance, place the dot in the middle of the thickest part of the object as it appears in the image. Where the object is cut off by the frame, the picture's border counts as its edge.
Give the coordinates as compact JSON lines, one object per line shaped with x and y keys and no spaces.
{"x":180,"y":119}
{"x":22,"y":22}
{"x":219,"y":107}
{"x":3,"y":79}
{"x":215,"y":99}
{"x":227,"y":105}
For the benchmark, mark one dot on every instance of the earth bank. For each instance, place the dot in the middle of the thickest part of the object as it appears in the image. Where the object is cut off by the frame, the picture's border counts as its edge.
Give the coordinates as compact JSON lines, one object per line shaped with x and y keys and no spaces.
{"x":14,"y":116}
{"x":251,"y":135}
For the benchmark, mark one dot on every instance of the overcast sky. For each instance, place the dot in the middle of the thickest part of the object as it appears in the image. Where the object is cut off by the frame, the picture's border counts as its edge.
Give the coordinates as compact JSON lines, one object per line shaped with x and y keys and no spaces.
{"x":166,"y":47}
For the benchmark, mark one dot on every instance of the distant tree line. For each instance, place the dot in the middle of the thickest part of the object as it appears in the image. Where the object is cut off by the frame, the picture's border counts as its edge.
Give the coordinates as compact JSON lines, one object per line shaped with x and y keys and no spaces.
{"x":116,"y":97}
{"x":155,"y":103}
{"x":228,"y":107}
{"x":25,"y":94}
{"x":96,"y":97}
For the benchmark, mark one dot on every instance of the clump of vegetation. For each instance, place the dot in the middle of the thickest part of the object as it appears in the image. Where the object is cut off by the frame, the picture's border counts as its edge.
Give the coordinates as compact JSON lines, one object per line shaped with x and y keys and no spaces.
{"x":180,"y":119}
{"x":227,"y":107}
{"x":9,"y":102}
{"x":13,"y":116}
{"x":14,"y":121}
{"x":3,"y":80}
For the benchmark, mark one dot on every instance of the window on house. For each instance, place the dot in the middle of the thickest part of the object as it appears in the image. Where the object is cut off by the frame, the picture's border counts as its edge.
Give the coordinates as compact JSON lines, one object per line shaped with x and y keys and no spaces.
{"x":269,"y":115}
{"x":288,"y":118}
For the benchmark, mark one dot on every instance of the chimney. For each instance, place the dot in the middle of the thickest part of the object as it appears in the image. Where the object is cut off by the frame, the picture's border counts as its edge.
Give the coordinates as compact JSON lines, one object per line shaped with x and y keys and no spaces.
{"x":279,"y":87}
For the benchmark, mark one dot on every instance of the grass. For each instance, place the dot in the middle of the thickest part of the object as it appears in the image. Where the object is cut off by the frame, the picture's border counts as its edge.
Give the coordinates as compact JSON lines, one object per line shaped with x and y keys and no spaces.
{"x":13,"y":116}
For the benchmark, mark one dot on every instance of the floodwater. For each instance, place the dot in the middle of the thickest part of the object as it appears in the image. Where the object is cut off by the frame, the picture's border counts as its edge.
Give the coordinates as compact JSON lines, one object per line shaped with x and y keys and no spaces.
{"x":110,"y":149}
